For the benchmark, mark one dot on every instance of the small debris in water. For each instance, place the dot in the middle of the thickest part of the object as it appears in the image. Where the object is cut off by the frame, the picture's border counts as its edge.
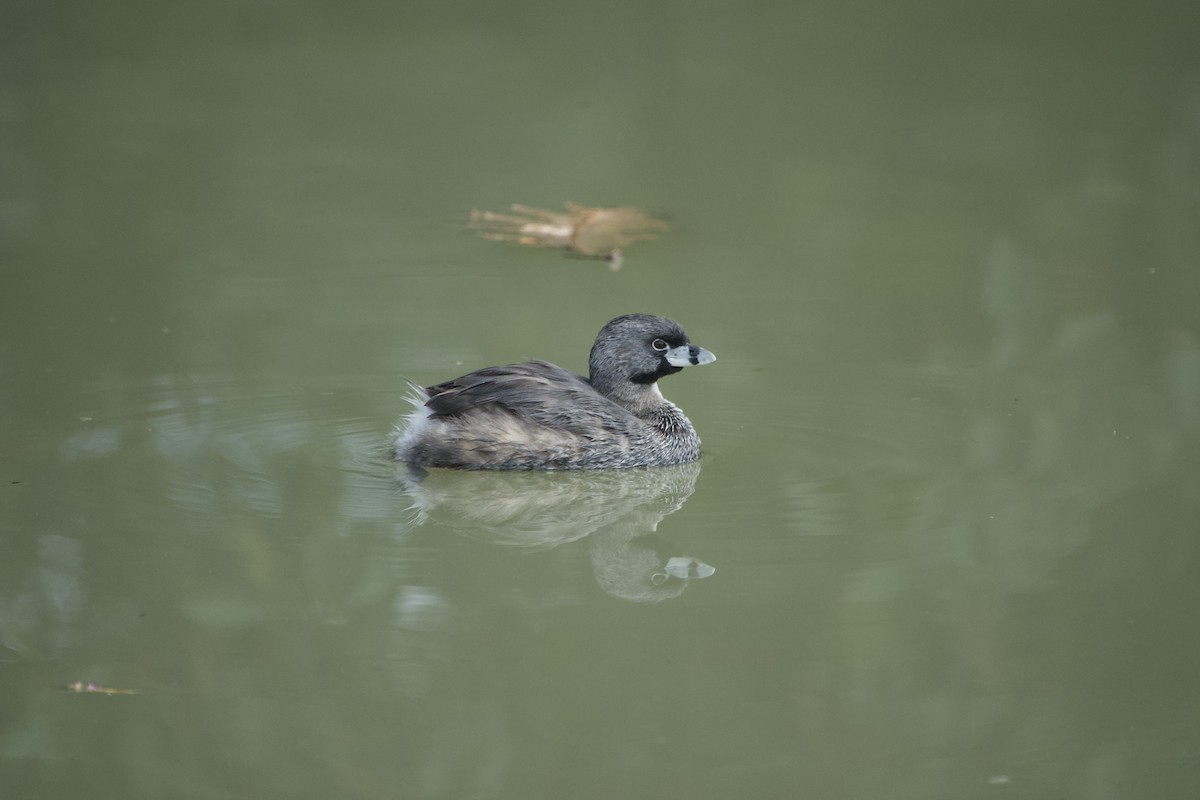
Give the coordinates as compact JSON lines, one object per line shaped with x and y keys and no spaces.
{"x":79,"y":687}
{"x":586,"y":231}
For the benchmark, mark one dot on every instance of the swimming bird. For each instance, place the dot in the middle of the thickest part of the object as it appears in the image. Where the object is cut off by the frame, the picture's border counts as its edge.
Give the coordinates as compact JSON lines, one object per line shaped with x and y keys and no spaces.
{"x":536,"y":415}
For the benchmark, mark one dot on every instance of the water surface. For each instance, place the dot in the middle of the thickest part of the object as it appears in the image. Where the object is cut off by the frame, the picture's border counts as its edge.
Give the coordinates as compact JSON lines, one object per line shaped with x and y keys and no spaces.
{"x":943,"y":539}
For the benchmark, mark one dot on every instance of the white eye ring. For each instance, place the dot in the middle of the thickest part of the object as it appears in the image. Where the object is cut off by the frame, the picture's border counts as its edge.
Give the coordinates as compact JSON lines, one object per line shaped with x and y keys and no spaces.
{"x":659,"y":345}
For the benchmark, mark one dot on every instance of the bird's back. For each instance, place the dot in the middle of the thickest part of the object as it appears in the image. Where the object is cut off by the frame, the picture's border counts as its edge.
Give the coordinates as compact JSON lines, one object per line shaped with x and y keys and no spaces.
{"x":534,"y":415}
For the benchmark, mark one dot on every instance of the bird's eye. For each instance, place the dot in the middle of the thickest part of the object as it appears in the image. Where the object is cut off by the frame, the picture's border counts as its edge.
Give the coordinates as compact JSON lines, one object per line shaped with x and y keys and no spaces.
{"x":659,"y":345}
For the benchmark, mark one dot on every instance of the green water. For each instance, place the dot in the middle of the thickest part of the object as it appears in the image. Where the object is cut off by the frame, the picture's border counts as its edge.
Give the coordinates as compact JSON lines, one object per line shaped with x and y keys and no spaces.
{"x":945,"y":253}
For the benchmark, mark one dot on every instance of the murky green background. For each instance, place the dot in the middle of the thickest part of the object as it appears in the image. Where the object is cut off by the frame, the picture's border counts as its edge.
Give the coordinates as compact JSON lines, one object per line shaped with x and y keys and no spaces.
{"x":947,"y":254}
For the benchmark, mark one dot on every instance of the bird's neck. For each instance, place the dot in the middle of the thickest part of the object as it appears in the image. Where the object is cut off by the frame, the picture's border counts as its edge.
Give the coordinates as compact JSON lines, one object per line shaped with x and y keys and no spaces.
{"x":643,"y":400}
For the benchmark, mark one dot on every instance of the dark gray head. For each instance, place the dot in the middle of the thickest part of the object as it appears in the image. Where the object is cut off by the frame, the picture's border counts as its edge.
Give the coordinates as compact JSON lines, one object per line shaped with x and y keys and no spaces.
{"x":635,"y":350}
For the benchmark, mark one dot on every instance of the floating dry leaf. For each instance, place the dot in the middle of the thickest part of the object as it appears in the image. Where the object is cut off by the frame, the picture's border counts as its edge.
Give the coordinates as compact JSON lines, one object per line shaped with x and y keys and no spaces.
{"x":591,"y":232}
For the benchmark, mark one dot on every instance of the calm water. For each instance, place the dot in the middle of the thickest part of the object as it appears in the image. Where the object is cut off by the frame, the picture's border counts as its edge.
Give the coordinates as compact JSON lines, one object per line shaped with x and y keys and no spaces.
{"x":944,"y":539}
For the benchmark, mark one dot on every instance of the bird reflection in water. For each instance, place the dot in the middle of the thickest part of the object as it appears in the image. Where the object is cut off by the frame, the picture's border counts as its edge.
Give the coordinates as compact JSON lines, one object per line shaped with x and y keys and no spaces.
{"x":584,"y":231}
{"x":617,"y":511}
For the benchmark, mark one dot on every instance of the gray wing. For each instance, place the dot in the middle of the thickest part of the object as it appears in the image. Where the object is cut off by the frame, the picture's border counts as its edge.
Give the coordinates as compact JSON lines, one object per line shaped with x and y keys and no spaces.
{"x":538,"y":391}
